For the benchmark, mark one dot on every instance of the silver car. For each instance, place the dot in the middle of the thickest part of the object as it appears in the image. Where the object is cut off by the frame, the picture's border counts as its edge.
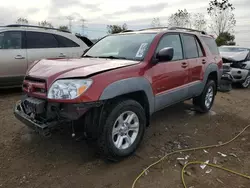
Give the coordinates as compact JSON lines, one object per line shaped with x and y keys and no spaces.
{"x":238,"y":59}
{"x":21,"y":45}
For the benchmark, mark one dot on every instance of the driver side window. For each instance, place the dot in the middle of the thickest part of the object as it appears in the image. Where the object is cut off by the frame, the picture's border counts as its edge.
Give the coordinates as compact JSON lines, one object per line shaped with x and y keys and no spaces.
{"x":11,"y":40}
{"x":174,"y":41}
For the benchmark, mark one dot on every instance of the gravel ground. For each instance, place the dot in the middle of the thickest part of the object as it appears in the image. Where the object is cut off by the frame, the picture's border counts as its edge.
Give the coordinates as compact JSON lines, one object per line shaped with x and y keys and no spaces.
{"x":30,"y":161}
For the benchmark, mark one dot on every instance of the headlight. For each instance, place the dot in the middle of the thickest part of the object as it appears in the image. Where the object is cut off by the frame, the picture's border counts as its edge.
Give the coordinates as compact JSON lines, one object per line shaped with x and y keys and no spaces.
{"x":68,"y":88}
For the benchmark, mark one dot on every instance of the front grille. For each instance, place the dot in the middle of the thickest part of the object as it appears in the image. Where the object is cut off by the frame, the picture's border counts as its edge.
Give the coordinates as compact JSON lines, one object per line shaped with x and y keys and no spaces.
{"x":32,"y":79}
{"x":226,"y":68}
{"x":35,"y":87}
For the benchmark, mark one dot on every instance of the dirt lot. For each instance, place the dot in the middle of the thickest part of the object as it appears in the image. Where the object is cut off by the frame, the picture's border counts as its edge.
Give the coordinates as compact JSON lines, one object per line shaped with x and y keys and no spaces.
{"x":27,"y":160}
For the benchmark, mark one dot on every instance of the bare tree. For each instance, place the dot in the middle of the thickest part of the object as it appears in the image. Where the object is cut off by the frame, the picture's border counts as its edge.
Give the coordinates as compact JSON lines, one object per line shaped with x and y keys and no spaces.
{"x":156,"y":22}
{"x":22,"y":21}
{"x":45,"y":24}
{"x":222,"y":17}
{"x":181,"y":18}
{"x":199,"y":21}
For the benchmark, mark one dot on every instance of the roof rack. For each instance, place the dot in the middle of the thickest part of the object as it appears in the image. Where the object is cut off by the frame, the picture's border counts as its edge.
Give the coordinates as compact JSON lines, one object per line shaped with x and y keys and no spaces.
{"x":35,"y":26}
{"x":188,"y":29}
{"x":153,"y":28}
{"x":126,"y":31}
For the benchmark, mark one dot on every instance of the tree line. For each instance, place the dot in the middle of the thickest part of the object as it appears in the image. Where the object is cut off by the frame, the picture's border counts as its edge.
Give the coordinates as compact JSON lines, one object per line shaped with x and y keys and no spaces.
{"x":45,"y":23}
{"x":221,"y":24}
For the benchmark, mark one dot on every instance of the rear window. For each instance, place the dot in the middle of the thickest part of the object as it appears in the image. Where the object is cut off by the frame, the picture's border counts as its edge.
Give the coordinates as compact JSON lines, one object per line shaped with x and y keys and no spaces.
{"x":190,"y":46}
{"x":210,"y":42}
{"x":65,"y":42}
{"x":41,"y":40}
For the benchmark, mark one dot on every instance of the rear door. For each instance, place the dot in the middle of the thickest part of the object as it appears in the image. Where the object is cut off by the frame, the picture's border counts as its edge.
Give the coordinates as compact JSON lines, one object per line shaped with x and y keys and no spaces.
{"x":195,"y":57}
{"x":41,"y":46}
{"x":169,"y":78}
{"x":68,"y":48}
{"x":13,"y":61}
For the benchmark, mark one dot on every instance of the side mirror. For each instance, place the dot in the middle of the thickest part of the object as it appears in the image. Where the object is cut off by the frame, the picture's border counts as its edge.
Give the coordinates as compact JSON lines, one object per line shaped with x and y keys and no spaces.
{"x":165,"y":54}
{"x":85,"y":51}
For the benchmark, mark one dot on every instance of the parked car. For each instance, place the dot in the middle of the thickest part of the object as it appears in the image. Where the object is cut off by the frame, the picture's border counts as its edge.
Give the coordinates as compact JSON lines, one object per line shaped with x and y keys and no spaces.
{"x":21,"y":45}
{"x":119,"y":83}
{"x":238,"y":58}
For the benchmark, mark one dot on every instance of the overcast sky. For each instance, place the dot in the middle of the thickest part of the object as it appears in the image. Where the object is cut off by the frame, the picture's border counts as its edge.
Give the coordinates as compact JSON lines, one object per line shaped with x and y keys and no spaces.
{"x":98,"y":13}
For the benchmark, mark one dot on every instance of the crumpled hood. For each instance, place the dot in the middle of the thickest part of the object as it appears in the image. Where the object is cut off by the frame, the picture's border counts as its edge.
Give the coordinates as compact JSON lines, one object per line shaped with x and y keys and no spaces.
{"x":66,"y":68}
{"x":234,"y":56}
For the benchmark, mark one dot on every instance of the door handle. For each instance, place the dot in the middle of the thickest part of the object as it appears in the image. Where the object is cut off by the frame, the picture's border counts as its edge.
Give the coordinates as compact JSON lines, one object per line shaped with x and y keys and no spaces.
{"x":203,"y":61}
{"x":62,"y":55}
{"x":184,"y":64}
{"x":19,"y":57}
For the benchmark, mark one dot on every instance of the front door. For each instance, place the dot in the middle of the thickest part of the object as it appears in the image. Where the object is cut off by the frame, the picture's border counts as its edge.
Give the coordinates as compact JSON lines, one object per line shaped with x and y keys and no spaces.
{"x":169,"y":78}
{"x":13,"y":62}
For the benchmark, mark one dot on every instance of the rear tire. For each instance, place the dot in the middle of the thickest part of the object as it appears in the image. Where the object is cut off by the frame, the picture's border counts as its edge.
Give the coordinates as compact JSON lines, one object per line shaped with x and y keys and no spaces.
{"x":123,"y":129}
{"x":205,"y":101}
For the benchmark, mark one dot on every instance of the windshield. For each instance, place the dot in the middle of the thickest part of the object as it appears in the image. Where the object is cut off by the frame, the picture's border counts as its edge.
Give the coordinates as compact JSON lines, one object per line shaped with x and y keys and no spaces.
{"x":125,"y":46}
{"x":232,"y":49}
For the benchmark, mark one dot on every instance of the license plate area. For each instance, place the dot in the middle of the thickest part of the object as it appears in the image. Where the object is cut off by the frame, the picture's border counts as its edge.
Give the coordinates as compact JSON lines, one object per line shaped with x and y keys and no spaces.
{"x":34,"y":105}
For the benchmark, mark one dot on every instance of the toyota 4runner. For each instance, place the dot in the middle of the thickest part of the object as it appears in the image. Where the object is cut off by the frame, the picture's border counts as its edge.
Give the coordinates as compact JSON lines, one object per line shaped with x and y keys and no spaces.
{"x":110,"y":93}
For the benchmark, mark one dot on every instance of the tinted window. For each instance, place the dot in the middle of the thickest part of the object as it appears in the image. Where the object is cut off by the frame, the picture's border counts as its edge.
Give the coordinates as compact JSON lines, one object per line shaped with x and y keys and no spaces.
{"x":41,"y":40}
{"x":65,"y":42}
{"x":11,"y":40}
{"x":190,"y":46}
{"x":200,"y":52}
{"x":174,"y":42}
{"x":210,"y":42}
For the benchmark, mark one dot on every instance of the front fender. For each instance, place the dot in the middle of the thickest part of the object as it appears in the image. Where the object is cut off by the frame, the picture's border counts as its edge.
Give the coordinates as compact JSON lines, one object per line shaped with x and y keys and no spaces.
{"x":129,"y":85}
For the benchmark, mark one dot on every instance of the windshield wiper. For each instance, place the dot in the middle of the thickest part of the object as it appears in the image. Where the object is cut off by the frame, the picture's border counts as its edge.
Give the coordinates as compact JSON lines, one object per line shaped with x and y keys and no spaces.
{"x":111,"y":57}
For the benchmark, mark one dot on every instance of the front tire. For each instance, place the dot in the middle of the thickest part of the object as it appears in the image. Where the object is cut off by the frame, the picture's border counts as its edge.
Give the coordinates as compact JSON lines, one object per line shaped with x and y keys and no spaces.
{"x":246,"y":83}
{"x":205,"y":101}
{"x":123,"y":130}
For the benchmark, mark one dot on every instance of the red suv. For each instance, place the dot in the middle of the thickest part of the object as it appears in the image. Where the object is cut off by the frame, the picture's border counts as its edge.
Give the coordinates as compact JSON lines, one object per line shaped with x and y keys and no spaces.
{"x":110,"y":93}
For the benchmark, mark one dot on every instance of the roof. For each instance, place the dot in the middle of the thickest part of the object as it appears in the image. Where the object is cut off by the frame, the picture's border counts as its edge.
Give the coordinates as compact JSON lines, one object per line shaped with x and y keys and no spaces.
{"x":30,"y":27}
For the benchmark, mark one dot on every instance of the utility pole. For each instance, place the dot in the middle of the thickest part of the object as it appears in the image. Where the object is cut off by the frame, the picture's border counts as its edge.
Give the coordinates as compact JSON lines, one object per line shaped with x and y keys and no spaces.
{"x":83,"y":25}
{"x":70,"y":18}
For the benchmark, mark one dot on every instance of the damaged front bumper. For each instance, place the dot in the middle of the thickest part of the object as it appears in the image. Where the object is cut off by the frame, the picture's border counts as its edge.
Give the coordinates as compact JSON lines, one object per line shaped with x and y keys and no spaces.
{"x":43,"y":117}
{"x":38,"y":126}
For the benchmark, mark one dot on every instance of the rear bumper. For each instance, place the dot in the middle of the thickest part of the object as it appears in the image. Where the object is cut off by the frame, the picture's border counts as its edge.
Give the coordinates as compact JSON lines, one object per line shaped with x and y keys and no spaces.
{"x":39,"y":127}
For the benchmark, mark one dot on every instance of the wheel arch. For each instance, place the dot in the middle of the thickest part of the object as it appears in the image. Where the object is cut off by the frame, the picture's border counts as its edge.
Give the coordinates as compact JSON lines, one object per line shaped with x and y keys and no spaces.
{"x":212,"y":72}
{"x":136,"y":88}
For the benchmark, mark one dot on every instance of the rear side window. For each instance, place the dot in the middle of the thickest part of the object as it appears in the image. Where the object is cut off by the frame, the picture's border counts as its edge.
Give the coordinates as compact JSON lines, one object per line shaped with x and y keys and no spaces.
{"x":200,"y":52}
{"x":41,"y":40}
{"x":210,"y":42}
{"x":174,"y":41}
{"x":11,"y":40}
{"x":65,"y":42}
{"x":190,"y":46}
